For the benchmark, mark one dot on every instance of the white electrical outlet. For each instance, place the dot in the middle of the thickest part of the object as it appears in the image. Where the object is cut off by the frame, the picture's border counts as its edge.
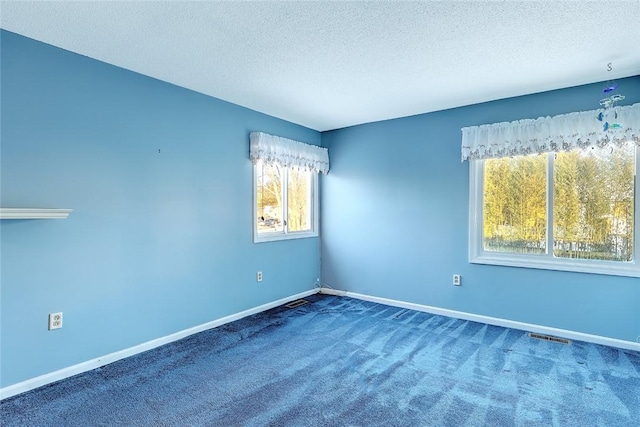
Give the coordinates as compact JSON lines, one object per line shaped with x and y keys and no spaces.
{"x":456,"y":279}
{"x":259,"y":276}
{"x":55,"y":321}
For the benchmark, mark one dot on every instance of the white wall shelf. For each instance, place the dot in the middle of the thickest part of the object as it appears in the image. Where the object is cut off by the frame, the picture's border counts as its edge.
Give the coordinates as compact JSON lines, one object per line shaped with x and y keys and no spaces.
{"x":29,"y":213}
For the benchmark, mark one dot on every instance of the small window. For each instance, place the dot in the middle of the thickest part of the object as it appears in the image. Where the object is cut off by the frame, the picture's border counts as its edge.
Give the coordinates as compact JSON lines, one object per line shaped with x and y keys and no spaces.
{"x":285,"y":203}
{"x":574,"y":211}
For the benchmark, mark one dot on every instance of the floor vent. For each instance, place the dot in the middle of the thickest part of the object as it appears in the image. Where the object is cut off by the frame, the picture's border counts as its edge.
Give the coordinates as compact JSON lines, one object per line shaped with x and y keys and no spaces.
{"x":549,"y":338}
{"x":297,"y":303}
{"x":401,"y":313}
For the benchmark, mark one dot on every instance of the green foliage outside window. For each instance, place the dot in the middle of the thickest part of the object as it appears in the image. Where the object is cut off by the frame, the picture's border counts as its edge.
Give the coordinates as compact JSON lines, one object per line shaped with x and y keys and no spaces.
{"x":515,"y":207}
{"x":593,"y":204}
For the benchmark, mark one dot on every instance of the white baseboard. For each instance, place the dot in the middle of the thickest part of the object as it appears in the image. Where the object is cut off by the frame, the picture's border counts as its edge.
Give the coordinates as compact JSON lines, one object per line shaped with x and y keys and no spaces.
{"x":579,"y":336}
{"x":70,"y":371}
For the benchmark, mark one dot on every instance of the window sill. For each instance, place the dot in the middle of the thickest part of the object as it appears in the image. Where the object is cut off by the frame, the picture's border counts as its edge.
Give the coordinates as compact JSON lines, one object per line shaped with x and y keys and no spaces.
{"x":628,"y":269}
{"x":274,"y":237}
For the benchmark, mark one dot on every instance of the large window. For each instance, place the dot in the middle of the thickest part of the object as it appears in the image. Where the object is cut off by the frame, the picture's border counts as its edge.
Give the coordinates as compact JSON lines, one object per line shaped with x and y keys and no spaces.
{"x":574,"y":210}
{"x":285,"y":202}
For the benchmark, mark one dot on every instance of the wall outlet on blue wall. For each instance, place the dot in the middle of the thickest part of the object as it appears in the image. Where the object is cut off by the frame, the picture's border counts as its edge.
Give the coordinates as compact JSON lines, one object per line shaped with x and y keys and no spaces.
{"x":55,"y":321}
{"x":259,"y":276}
{"x":456,"y":279}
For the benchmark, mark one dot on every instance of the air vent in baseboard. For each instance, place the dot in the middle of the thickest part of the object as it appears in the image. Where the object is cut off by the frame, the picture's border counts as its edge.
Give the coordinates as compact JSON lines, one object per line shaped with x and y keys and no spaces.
{"x":297,"y":303}
{"x":549,"y":338}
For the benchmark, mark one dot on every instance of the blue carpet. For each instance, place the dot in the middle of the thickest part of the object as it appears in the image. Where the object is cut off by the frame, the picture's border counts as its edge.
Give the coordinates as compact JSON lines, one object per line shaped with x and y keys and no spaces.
{"x":345,"y":362}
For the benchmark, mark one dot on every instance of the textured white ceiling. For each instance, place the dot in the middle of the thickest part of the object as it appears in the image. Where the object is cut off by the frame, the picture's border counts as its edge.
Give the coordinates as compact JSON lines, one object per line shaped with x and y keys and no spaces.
{"x":328,"y":65}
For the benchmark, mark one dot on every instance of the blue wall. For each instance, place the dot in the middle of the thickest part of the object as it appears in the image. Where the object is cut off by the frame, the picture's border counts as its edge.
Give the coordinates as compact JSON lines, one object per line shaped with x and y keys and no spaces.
{"x":158,"y":241}
{"x":395,"y":222}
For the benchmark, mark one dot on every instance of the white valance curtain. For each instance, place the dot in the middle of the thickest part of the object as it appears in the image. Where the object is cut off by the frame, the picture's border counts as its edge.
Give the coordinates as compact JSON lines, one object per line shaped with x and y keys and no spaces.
{"x":550,"y":134}
{"x":288,"y":153}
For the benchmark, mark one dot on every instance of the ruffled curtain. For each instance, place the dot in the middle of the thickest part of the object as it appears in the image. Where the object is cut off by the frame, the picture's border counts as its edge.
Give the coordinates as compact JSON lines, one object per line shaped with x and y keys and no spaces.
{"x":551,"y":134}
{"x":288,"y":153}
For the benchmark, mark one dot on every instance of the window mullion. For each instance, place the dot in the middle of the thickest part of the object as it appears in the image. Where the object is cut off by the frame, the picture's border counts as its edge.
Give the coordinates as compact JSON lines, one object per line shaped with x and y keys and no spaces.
{"x":636,"y":213}
{"x":550,"y":164}
{"x":479,"y":220}
{"x":285,"y":201}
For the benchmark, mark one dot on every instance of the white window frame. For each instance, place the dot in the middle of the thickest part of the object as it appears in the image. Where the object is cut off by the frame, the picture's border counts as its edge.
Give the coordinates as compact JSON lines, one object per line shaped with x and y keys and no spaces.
{"x":285,"y":234}
{"x":547,"y":261}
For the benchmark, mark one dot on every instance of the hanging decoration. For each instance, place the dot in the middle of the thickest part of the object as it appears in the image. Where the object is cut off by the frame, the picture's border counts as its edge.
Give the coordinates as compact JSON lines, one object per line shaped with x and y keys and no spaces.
{"x":609,"y":116}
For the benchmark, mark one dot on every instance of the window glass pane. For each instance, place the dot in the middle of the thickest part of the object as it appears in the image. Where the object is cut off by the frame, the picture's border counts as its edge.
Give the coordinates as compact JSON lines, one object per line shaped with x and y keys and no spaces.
{"x":269,"y":198}
{"x":514,"y":205}
{"x":594,"y":204}
{"x":299,"y":197}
